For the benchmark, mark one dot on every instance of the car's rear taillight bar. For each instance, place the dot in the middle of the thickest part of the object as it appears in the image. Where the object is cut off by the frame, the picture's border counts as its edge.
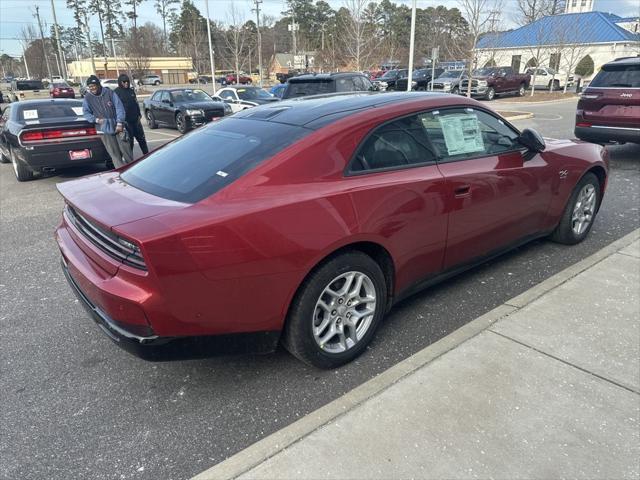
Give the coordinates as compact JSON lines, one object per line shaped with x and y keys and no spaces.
{"x":56,"y":134}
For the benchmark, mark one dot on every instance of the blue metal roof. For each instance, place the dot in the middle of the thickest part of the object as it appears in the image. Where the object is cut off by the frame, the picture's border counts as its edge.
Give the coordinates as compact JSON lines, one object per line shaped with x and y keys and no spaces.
{"x":588,"y":27}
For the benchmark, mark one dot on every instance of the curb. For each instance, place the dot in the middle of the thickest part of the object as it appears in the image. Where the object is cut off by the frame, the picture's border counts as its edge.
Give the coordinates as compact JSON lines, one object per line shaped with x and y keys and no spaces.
{"x":245,"y":460}
{"x":537,"y":103}
{"x":514,"y":115}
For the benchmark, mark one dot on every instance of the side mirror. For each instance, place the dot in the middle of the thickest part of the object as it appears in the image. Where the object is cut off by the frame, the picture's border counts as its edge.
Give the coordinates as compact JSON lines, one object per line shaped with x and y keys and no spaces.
{"x":532,"y":140}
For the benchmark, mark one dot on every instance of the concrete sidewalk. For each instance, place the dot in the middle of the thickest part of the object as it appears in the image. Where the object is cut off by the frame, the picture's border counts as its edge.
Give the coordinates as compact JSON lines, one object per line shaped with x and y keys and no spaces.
{"x":545,"y":386}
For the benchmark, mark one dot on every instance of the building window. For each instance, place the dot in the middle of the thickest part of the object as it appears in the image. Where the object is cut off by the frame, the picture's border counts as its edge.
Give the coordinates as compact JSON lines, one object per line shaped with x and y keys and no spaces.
{"x":515,"y":62}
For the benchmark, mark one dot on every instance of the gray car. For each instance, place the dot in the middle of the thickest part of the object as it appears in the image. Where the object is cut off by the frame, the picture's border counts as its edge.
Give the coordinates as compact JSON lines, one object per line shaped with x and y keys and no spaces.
{"x":150,"y":80}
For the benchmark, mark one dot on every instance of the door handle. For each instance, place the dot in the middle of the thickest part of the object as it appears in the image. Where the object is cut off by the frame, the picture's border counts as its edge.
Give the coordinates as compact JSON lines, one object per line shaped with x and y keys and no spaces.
{"x":462,"y":191}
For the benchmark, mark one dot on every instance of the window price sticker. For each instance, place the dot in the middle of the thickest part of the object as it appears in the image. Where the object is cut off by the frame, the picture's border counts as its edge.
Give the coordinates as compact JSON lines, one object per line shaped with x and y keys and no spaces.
{"x":462,"y":133}
{"x":30,"y":114}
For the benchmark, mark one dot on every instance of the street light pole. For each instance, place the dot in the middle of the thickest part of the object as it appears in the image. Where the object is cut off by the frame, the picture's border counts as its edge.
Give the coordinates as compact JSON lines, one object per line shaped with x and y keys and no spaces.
{"x":211,"y":59}
{"x":411,"y":44}
{"x":257,"y":9}
{"x":44,"y":48}
{"x":63,"y":72}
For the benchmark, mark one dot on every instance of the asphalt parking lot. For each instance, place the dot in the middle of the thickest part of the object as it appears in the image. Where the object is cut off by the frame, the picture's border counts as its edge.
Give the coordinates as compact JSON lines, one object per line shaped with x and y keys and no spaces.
{"x":76,"y":406}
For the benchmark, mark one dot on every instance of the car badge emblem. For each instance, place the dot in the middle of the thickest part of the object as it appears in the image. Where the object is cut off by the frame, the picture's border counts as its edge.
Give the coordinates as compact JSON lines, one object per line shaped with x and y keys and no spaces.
{"x":563,"y":174}
{"x":626,"y":95}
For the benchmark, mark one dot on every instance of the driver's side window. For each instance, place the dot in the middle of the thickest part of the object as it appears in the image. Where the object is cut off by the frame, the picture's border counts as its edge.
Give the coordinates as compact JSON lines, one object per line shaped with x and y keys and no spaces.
{"x":227,"y":95}
{"x":463,"y":133}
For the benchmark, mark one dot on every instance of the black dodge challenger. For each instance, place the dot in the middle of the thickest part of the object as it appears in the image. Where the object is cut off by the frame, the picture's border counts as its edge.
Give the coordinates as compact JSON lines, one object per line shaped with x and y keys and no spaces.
{"x":48,"y":135}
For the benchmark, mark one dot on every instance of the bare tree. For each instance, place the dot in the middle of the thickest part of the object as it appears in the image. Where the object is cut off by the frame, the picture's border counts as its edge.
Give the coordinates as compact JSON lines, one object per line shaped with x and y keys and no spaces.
{"x":544,"y":39}
{"x":528,"y":11}
{"x":359,"y":37}
{"x":571,"y":52}
{"x":165,"y":9}
{"x":236,"y":37}
{"x":480,"y":14}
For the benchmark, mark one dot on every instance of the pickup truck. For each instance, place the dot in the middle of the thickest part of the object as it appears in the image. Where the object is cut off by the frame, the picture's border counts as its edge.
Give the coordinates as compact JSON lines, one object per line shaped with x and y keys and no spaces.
{"x":491,"y":81}
{"x":27,"y":90}
{"x":546,"y":77}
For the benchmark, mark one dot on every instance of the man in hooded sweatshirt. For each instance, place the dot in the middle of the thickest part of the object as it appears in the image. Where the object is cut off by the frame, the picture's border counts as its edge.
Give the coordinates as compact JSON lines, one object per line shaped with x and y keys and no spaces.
{"x":103,"y":107}
{"x":128,"y":98}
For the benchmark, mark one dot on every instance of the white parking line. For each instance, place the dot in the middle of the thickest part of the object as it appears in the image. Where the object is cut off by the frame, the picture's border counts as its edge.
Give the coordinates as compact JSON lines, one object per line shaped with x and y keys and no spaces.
{"x":161,"y":133}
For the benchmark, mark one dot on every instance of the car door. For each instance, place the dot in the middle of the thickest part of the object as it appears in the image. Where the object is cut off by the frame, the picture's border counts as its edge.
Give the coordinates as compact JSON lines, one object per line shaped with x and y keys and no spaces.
{"x":4,"y":143}
{"x":165,"y":109}
{"x":229,"y":96}
{"x":498,"y":192}
{"x":399,"y":194}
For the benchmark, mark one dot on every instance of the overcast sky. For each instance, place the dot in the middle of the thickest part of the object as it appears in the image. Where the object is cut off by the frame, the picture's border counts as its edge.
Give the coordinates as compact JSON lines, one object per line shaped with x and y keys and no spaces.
{"x":14,"y":14}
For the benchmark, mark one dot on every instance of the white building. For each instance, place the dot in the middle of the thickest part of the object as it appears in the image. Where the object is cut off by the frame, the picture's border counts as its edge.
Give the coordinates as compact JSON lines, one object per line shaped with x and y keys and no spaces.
{"x":563,"y":41}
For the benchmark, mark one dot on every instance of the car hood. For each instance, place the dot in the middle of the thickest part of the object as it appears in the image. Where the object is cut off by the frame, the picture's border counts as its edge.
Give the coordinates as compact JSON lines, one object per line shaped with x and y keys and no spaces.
{"x":107,"y":199}
{"x":204,"y":105}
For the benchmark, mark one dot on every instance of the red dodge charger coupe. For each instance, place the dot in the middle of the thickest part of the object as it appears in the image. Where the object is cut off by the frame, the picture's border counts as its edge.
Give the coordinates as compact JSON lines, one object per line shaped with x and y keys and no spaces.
{"x":303,"y":222}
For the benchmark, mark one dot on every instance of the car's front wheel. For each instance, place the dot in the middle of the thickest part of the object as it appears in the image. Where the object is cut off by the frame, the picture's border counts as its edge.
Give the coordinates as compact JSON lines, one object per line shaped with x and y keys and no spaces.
{"x":580,"y":212}
{"x":181,"y":123}
{"x":491,"y":94}
{"x":335,"y":313}
{"x":151,"y":120}
{"x":522,"y":90}
{"x":22,"y":172}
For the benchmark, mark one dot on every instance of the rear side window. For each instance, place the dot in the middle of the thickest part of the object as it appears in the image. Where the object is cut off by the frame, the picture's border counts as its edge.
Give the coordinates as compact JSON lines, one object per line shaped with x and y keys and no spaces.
{"x":29,"y":85}
{"x":50,"y":110}
{"x":617,"y":76}
{"x":317,"y":87}
{"x":199,"y":164}
{"x":397,"y":144}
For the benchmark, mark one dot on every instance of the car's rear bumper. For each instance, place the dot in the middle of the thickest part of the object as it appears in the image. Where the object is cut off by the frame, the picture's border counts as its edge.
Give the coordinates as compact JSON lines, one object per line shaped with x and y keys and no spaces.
{"x":606,"y":134}
{"x":56,"y":156}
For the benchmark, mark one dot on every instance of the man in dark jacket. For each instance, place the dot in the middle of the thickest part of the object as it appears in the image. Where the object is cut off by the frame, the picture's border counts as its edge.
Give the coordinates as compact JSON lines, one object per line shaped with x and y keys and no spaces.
{"x":128,"y":97}
{"x":103,"y":107}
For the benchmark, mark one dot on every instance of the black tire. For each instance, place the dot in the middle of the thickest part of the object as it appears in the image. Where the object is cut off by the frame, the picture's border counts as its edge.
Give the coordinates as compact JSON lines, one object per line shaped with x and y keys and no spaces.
{"x":4,"y":159}
{"x":491,"y":94}
{"x":522,"y":90}
{"x":298,"y":337}
{"x":156,"y":83}
{"x":565,"y":232}
{"x":181,"y":123}
{"x":151,"y":120}
{"x":22,"y":172}
{"x":391,"y":88}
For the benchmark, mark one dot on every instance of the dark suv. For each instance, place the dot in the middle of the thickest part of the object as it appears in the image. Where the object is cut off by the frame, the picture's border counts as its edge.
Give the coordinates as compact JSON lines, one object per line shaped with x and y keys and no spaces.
{"x":320,"y":83}
{"x":609,"y":108}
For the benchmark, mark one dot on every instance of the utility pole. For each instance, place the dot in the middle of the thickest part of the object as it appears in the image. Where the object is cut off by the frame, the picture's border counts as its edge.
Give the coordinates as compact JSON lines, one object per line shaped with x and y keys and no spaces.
{"x":44,"y":48}
{"x":63,"y":72}
{"x":411,"y":44}
{"x":211,"y":58}
{"x":292,"y":28}
{"x":24,"y":57}
{"x":93,"y":60}
{"x":257,"y":10}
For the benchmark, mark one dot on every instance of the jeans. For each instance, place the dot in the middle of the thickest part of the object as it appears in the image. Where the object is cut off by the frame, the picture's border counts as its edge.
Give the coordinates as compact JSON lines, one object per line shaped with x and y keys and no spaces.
{"x":119,"y":150}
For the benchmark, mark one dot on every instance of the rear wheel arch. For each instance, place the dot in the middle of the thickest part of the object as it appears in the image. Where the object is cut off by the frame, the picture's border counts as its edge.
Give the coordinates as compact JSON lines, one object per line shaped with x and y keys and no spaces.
{"x":377,"y":252}
{"x":599,"y":172}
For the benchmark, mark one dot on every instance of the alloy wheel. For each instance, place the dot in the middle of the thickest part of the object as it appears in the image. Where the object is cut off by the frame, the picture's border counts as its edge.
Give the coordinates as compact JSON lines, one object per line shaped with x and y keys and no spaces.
{"x":344,"y":312}
{"x":584,"y":209}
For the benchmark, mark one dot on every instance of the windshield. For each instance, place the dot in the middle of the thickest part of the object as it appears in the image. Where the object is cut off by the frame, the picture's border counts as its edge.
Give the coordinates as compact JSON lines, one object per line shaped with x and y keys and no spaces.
{"x":40,"y":111}
{"x":313,"y":87}
{"x":252,"y":93}
{"x":29,"y":85}
{"x":617,"y":76}
{"x":451,"y":74}
{"x":190,"y":96}
{"x":199,"y":164}
{"x":484,"y":72}
{"x":390,"y":74}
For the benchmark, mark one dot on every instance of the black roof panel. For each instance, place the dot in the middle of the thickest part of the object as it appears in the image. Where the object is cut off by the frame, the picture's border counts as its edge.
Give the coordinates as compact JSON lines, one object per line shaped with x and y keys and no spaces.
{"x":319,"y":110}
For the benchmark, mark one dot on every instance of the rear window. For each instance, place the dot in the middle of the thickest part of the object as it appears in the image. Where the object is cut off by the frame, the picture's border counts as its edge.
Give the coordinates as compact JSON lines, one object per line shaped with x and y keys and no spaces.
{"x":29,"y":85}
{"x":617,"y":76}
{"x":50,"y":110}
{"x":316,"y":87}
{"x":199,"y":164}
